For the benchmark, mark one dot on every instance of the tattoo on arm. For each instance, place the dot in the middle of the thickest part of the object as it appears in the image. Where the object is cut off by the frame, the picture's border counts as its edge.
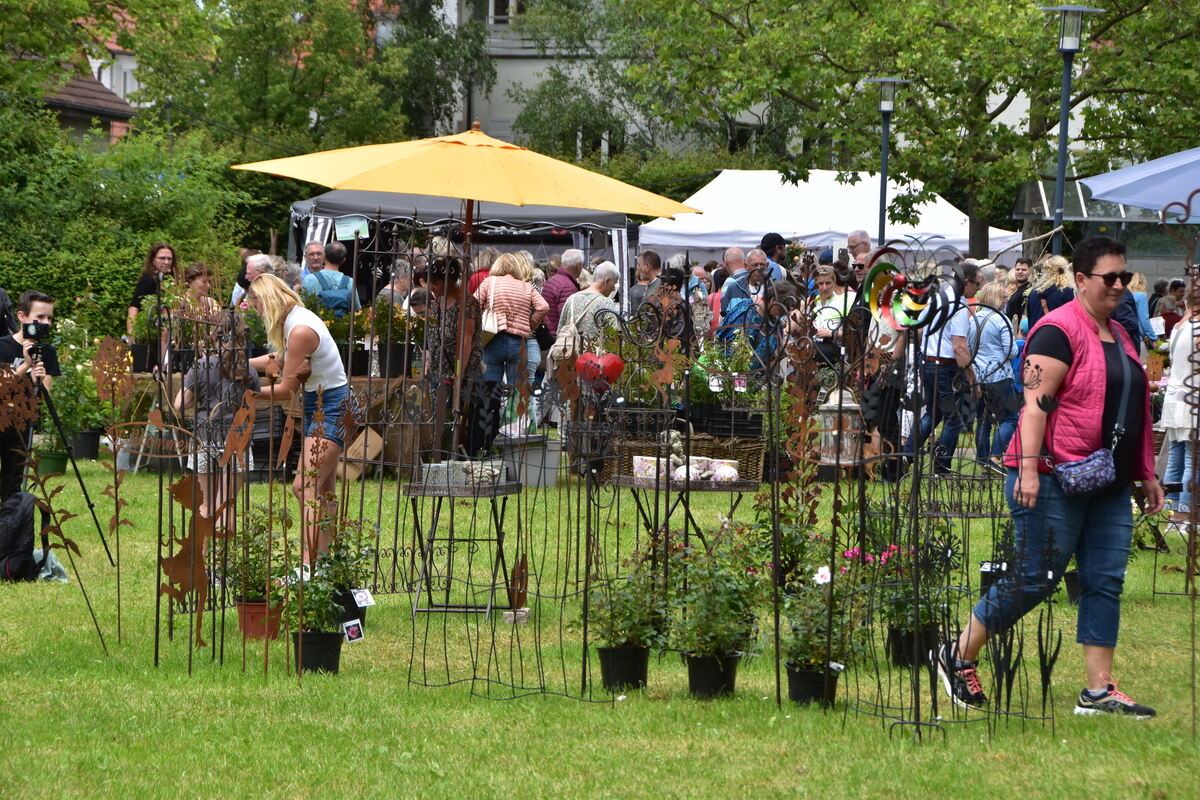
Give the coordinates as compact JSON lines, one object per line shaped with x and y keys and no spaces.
{"x":1032,"y":376}
{"x":1047,"y":403}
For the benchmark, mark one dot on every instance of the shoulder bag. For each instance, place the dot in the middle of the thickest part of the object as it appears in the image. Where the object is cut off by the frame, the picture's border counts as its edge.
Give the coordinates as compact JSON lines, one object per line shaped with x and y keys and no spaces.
{"x":489,"y":323}
{"x":569,"y":343}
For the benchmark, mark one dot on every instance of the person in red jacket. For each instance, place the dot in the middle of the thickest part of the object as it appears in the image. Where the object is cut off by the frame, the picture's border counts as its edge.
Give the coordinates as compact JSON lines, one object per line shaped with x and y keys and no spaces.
{"x":561,"y":285}
{"x":1077,"y":362}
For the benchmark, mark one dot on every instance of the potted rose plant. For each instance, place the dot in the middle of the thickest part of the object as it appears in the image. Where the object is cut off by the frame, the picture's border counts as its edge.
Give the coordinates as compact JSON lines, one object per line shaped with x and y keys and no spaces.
{"x":313,"y":615}
{"x":629,"y":616}
{"x":717,"y":589}
{"x":348,"y":564}
{"x":825,"y":613}
{"x":257,"y":561}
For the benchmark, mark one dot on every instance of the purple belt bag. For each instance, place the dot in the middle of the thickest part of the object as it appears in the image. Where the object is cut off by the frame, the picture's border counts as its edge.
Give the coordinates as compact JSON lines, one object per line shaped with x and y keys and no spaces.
{"x":1087,"y":474}
{"x":1097,"y":470}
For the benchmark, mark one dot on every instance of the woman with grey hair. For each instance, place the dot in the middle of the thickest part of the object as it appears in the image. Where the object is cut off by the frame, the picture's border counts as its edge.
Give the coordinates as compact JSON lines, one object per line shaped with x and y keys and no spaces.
{"x":581,"y":308}
{"x":401,"y":285}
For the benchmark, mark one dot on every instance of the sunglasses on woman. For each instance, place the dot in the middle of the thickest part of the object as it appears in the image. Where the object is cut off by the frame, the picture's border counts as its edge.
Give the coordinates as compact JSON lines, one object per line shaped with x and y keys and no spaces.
{"x":1110,"y":278}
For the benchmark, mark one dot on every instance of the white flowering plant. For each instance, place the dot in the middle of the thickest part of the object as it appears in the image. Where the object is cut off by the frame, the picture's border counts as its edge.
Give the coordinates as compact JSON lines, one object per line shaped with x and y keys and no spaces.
{"x":826,"y":613}
{"x":74,"y":391}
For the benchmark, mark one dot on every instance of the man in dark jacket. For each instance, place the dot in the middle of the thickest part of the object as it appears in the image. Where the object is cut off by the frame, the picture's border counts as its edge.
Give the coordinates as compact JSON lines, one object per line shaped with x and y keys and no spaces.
{"x":561,"y":285}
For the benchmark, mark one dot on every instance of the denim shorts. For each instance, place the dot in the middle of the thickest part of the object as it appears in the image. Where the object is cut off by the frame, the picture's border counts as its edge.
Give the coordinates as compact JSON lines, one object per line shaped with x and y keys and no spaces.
{"x":333,"y":408}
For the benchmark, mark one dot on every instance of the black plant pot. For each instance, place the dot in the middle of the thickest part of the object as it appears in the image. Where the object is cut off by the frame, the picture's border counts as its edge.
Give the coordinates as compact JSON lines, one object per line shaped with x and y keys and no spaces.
{"x":700,"y":415}
{"x":712,"y":676}
{"x":319,"y":652}
{"x":741,"y":422}
{"x":350,"y":609}
{"x":623,"y":667}
{"x":1070,"y":580}
{"x":357,"y":362}
{"x":911,"y":648}
{"x":86,"y":445}
{"x":394,"y":359}
{"x":812,"y":686}
{"x":145,"y":357}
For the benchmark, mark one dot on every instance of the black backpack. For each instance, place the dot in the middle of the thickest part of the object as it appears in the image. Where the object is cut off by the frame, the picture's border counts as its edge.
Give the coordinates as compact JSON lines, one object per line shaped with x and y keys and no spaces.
{"x":16,"y":540}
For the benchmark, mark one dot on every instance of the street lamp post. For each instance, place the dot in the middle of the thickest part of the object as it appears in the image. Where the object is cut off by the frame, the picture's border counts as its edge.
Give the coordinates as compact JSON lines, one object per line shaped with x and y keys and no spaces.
{"x":887,"y":104}
{"x":1070,"y":36}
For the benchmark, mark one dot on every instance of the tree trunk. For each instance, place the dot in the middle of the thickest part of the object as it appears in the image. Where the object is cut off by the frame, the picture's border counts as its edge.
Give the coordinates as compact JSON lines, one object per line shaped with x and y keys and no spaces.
{"x":978,"y":244}
{"x":1031,"y":228}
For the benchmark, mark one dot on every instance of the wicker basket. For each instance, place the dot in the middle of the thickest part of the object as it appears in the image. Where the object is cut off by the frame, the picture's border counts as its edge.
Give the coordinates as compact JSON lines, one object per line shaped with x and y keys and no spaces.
{"x":621,"y":453}
{"x":747,"y":452}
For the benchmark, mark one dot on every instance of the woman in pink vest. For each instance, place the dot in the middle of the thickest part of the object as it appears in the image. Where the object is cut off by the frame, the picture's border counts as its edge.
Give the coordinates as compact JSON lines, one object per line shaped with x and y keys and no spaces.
{"x":1084,"y":389}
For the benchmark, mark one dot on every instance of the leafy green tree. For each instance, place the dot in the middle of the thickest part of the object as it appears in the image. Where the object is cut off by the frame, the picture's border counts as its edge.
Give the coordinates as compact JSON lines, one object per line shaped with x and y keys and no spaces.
{"x":796,"y":72}
{"x":272,"y":78}
{"x":42,"y":36}
{"x":79,"y":219}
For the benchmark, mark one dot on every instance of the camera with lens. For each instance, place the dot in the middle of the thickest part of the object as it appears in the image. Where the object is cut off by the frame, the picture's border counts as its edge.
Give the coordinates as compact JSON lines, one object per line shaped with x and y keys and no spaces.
{"x":36,"y":331}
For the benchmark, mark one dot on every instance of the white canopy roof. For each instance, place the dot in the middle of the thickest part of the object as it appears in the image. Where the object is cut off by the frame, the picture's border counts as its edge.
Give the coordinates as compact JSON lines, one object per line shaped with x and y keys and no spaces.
{"x":740,"y":206}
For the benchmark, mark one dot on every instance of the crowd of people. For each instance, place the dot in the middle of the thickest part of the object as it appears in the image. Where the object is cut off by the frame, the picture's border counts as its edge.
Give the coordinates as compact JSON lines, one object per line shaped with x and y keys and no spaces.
{"x":1045,"y":360}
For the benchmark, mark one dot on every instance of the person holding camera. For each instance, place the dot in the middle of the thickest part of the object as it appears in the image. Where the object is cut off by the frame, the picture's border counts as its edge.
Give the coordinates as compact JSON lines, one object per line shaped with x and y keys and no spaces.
{"x":32,"y":360}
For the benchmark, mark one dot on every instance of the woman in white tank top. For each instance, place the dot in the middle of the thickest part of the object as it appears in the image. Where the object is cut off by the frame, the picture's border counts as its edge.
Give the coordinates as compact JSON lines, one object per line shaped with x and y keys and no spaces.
{"x":310,"y":362}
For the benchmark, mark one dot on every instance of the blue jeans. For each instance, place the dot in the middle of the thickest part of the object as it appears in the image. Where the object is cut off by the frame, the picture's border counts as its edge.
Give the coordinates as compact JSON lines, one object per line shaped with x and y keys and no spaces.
{"x":504,"y":359}
{"x":1180,"y":470}
{"x":996,"y":410}
{"x":1096,"y":528}
{"x":941,"y":405}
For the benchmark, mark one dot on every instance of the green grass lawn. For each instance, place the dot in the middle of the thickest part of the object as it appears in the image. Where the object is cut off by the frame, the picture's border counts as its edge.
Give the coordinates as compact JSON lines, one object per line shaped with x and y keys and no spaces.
{"x":78,"y":723}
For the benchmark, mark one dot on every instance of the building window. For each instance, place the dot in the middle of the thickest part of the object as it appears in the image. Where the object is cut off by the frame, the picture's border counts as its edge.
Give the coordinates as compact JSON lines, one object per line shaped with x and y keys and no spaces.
{"x":505,"y":10}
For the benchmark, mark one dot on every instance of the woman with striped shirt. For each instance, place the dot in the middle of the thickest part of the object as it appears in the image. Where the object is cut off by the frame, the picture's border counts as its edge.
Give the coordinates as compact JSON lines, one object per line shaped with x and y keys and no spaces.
{"x":519,"y":310}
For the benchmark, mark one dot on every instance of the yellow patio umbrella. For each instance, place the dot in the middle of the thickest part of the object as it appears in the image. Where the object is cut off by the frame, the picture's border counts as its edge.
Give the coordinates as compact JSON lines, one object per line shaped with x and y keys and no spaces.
{"x":471,"y":166}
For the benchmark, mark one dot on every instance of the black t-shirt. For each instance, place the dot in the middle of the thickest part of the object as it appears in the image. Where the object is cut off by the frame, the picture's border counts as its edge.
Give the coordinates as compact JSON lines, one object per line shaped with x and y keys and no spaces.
{"x":12,"y":354}
{"x":1050,"y":341}
{"x":146,"y":285}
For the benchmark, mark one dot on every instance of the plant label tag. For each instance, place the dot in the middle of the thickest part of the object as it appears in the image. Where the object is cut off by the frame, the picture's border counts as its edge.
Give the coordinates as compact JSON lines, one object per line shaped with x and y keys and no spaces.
{"x":363,"y":598}
{"x":353,"y":630}
{"x":715,"y":384}
{"x":739,"y":383}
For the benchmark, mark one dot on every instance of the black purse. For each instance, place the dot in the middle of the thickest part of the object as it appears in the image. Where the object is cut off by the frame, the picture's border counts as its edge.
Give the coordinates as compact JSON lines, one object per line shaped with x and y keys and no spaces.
{"x":1097,"y":470}
{"x":545,"y":338}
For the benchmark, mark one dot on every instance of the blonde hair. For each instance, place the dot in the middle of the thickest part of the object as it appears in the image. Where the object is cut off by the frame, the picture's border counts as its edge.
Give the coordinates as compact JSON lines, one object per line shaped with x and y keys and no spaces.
{"x":992,"y":294}
{"x":1055,"y":273}
{"x":1138,"y":284}
{"x":277,"y":301}
{"x":511,"y":264}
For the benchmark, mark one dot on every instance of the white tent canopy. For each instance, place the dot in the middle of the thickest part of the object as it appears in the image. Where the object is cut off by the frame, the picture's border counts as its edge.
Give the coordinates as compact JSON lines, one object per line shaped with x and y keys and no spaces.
{"x":740,"y":206}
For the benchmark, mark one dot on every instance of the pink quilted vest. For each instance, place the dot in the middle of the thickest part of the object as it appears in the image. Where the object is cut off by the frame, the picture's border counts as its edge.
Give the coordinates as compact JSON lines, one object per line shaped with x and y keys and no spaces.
{"x":1073,"y":428}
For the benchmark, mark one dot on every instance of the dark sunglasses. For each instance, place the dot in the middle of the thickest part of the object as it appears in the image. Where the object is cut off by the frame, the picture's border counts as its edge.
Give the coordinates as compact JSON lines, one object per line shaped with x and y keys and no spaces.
{"x":1110,"y":278}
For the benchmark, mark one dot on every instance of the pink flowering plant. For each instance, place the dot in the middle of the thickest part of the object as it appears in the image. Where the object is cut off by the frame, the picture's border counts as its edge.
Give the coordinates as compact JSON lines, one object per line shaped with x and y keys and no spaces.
{"x":825,"y":604}
{"x":718,"y":585}
{"x":912,"y":578}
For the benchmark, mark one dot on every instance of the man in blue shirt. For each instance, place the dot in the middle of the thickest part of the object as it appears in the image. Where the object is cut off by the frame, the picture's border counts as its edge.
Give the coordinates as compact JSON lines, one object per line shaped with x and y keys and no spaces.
{"x":774,"y":246}
{"x":739,"y":292}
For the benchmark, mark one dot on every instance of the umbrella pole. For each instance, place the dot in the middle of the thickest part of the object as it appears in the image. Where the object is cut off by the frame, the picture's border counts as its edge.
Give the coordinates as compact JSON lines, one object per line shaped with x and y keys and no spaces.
{"x":456,"y":407}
